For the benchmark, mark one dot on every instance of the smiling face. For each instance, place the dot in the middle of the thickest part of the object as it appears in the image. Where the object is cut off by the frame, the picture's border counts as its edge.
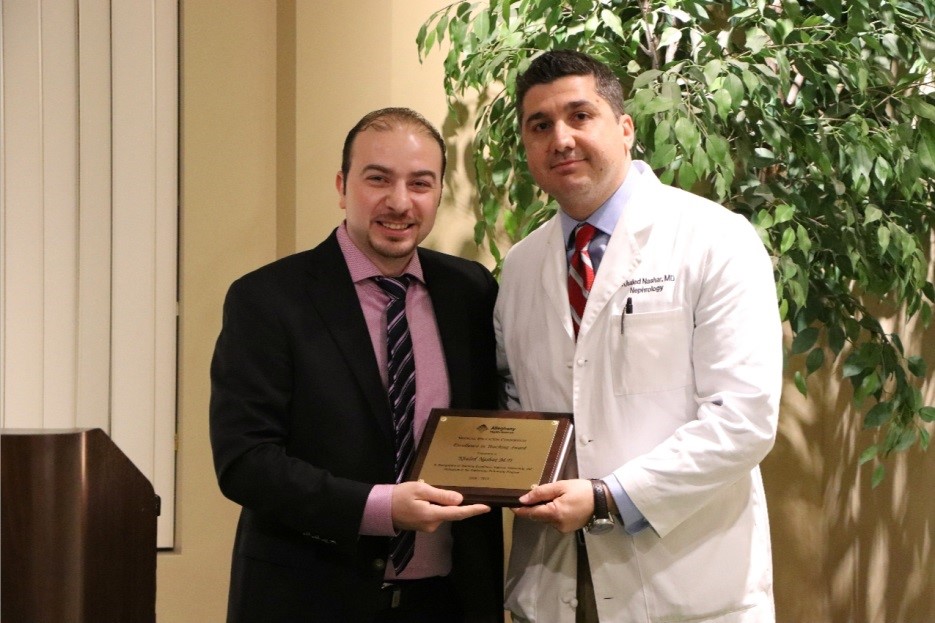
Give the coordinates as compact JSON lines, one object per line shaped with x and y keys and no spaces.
{"x":391,"y":193}
{"x":578,"y":150}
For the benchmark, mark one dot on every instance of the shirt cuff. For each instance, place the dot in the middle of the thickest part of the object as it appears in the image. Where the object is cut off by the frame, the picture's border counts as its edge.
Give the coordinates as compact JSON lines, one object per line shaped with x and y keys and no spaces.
{"x":378,"y":512}
{"x":633,"y":520}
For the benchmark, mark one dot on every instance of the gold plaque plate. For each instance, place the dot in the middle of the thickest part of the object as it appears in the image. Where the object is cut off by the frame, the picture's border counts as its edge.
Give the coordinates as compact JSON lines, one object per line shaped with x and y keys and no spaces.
{"x":492,"y":457}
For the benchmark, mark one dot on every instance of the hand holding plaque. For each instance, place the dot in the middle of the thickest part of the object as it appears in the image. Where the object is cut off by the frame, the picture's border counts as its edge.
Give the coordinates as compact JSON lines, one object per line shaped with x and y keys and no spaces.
{"x":491,"y":457}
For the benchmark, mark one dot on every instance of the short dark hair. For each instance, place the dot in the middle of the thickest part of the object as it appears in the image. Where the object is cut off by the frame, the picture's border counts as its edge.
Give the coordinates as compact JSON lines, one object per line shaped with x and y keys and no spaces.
{"x":555,"y":64}
{"x":386,"y":119}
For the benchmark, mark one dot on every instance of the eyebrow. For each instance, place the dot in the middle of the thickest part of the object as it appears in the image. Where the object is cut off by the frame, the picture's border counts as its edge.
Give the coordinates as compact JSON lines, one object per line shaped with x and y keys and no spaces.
{"x":569,"y":107}
{"x":388,"y":171}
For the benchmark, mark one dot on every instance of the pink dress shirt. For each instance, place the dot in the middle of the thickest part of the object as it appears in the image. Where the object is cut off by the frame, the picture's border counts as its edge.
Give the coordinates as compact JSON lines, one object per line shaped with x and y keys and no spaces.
{"x":433,"y":551}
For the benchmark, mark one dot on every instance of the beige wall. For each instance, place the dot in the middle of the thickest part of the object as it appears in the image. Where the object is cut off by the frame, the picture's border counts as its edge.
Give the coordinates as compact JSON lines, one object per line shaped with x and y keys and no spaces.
{"x":257,"y":182}
{"x":242,"y":149}
{"x":228,"y":226}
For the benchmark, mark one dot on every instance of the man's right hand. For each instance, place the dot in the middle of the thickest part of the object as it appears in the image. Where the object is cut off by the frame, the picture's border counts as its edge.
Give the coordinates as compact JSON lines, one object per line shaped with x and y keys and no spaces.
{"x":420,"y":506}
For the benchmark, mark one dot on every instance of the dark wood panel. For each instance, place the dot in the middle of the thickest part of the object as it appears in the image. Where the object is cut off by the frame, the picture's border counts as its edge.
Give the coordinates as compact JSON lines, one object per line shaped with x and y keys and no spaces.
{"x":78,"y":526}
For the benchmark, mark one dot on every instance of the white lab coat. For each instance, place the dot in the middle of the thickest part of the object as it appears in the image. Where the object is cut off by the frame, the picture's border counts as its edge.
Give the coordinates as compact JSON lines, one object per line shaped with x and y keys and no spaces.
{"x":678,"y":400}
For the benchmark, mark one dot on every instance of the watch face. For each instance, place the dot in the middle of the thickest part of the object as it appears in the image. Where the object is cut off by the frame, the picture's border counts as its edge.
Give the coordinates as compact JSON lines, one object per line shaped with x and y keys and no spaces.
{"x":600,"y":526}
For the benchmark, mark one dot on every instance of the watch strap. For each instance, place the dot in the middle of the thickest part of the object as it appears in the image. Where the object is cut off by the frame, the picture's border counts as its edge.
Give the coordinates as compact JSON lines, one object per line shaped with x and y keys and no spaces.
{"x":601,"y":510}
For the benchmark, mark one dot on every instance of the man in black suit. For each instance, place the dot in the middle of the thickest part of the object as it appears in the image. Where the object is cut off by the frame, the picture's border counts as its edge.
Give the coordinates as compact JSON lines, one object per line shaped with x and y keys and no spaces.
{"x":302,"y":429}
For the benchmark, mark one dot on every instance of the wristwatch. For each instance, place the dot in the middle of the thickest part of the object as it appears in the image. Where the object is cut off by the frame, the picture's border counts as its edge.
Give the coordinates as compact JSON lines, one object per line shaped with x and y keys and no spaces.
{"x":601,"y":521}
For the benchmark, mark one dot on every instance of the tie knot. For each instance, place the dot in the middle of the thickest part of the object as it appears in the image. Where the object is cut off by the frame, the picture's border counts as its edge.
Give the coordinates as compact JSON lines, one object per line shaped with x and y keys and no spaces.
{"x":395,"y":287}
{"x":583,"y":235}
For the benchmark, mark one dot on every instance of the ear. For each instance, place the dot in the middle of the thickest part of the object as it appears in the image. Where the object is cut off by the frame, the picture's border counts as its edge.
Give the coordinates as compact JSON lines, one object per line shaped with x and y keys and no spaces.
{"x":339,"y":186}
{"x":626,"y":128}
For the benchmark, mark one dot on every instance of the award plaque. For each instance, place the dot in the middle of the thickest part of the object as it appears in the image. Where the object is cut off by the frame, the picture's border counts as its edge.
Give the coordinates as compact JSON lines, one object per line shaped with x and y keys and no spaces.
{"x":491,"y":457}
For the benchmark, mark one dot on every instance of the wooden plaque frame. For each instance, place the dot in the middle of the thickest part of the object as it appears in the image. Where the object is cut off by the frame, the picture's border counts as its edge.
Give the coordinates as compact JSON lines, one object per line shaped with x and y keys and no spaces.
{"x":492,"y":457}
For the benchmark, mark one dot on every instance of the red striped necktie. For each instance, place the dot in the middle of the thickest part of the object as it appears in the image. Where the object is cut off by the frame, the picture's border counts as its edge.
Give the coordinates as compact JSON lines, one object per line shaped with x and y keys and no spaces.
{"x":580,"y":273}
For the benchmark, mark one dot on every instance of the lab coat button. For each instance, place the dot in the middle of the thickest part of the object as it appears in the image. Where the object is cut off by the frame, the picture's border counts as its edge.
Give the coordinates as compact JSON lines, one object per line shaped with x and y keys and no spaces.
{"x":573,"y":603}
{"x":581,"y":362}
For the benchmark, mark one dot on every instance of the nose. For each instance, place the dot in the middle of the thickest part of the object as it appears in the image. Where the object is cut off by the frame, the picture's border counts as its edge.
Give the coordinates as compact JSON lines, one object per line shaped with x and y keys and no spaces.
{"x":563,"y":137}
{"x":398,"y":199}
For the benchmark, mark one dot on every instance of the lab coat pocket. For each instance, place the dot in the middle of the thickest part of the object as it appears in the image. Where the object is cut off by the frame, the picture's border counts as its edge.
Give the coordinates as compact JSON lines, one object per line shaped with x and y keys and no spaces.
{"x":651,"y":352}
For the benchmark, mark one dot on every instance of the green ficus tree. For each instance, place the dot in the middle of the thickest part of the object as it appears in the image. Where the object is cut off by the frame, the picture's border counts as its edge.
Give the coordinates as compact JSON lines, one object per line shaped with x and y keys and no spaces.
{"x":816,"y":120}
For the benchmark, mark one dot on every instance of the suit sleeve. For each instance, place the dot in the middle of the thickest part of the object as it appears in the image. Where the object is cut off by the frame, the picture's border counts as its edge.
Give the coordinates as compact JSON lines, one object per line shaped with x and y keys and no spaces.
{"x":252,"y":378}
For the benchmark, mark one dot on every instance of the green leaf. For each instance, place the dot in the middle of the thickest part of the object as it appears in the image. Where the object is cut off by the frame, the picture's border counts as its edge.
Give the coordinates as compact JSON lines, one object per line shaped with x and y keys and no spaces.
{"x":836,"y":339}
{"x":926,"y":154}
{"x":804,"y":340}
{"x":430,"y":40}
{"x":756,"y":40}
{"x":723,"y":103}
{"x":878,"y":415}
{"x":922,"y":108}
{"x":482,"y":25}
{"x":814,"y":360}
{"x":803,"y":241}
{"x":927,"y":414}
{"x":883,"y":238}
{"x":687,"y":176}
{"x":784,"y":212}
{"x":645,"y":78}
{"x":882,"y":170}
{"x":764,"y":156}
{"x":420,"y":38}
{"x":671,"y":90}
{"x":868,"y":454}
{"x":685,"y":133}
{"x":800,"y":383}
{"x":734,"y":86}
{"x":868,"y":386}
{"x":872,"y":214}
{"x":916,"y":366}
{"x":788,"y":239}
{"x":612,"y":21}
{"x":480,"y":228}
{"x":717,"y":149}
{"x":783,"y":28}
{"x":711,"y":72}
{"x":670,"y":36}
{"x":906,"y":440}
{"x":663,"y":157}
{"x":878,"y":473}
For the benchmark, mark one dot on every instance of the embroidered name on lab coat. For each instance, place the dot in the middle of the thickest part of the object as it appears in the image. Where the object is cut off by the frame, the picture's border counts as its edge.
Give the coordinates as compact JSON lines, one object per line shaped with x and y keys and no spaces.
{"x":649,"y":284}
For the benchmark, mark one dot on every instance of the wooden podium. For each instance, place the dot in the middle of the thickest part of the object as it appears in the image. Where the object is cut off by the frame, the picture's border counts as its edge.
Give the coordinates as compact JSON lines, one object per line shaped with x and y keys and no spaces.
{"x":78,"y":524}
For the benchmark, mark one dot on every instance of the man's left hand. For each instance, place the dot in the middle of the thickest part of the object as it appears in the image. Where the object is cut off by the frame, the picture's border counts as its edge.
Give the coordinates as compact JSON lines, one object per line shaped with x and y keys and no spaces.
{"x":567,"y":504}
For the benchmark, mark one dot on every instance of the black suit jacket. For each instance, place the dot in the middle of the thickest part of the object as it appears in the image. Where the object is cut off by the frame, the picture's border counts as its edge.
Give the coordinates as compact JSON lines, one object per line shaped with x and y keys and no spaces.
{"x":301,"y":428}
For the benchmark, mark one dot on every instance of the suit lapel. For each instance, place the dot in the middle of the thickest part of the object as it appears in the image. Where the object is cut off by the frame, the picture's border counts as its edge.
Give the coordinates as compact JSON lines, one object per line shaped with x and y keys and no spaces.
{"x":449,"y":316}
{"x":555,"y":274}
{"x":333,"y":294}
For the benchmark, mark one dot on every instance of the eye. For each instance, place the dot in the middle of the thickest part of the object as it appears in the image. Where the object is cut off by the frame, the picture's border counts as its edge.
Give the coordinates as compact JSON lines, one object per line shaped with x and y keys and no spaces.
{"x":377,"y":179}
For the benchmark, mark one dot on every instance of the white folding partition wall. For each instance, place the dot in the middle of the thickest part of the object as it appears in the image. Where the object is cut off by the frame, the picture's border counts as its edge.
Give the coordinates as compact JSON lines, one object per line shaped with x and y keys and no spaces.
{"x":88,"y":225}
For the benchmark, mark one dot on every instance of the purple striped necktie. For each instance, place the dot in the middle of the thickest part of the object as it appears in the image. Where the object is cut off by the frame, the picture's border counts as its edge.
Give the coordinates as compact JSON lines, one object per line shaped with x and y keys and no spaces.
{"x":401,"y":389}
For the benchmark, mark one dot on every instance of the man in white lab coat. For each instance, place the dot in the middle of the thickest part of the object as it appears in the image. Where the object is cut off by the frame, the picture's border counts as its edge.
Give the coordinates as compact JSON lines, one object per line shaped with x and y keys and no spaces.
{"x":672,"y":370}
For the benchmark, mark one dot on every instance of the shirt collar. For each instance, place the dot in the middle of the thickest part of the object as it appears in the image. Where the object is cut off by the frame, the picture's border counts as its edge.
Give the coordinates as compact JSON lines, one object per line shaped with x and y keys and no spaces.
{"x":605,"y":218}
{"x":362,"y":268}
